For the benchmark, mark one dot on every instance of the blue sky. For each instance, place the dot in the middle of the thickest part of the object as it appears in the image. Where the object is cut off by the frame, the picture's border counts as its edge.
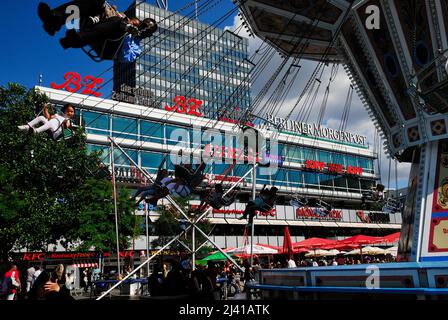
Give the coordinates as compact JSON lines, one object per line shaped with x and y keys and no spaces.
{"x":29,"y":51}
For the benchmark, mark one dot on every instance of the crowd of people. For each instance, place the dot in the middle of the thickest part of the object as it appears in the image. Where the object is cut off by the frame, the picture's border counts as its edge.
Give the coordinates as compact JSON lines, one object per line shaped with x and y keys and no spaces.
{"x":37,"y":284}
{"x":203,"y":283}
{"x":330,"y":261}
{"x":169,"y":278}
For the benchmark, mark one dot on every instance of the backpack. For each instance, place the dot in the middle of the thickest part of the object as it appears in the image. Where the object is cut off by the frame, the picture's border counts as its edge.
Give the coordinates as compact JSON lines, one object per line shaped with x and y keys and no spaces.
{"x":5,"y":286}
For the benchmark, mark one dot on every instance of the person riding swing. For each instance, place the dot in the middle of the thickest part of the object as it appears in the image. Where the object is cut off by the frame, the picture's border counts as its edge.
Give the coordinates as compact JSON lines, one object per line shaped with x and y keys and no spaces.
{"x":109,"y":33}
{"x":54,"y":124}
{"x":263,"y":203}
{"x":216,"y":199}
{"x":154,"y":188}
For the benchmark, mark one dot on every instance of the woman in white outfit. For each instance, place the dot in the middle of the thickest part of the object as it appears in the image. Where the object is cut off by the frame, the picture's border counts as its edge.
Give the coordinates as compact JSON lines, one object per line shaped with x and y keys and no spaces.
{"x":55,"y":123}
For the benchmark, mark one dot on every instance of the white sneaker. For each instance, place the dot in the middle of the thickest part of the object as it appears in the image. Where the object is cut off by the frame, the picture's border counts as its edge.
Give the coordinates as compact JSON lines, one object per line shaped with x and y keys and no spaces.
{"x":24,"y":127}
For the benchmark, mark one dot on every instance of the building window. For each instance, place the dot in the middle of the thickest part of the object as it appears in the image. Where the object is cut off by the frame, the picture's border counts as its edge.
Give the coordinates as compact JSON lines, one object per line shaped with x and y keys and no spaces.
{"x":104,"y":152}
{"x":151,"y":160}
{"x":310,"y":179}
{"x":96,"y":123}
{"x":121,"y":160}
{"x":151,"y":132}
{"x":353,"y":184}
{"x":124,"y":128}
{"x":177,"y":136}
{"x":295,"y":179}
{"x":326,"y":181}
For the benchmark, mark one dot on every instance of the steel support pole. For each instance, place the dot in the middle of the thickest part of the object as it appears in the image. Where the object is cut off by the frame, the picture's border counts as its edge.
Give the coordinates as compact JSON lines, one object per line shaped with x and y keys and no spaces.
{"x":181,"y":211}
{"x":114,"y":187}
{"x":193,"y":245}
{"x":147,"y":235}
{"x":254,"y":194}
{"x":141,"y":266}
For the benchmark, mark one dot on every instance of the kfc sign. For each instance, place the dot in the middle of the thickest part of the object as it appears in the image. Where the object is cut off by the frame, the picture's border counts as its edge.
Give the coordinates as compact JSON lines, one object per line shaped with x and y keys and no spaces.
{"x":74,"y":83}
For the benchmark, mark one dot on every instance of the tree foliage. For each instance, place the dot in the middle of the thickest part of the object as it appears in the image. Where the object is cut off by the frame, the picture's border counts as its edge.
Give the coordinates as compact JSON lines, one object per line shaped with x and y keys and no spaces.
{"x":51,"y":191}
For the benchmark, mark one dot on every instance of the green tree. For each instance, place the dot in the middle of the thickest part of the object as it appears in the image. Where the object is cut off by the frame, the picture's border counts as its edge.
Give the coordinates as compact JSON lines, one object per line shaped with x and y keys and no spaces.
{"x":52,"y":191}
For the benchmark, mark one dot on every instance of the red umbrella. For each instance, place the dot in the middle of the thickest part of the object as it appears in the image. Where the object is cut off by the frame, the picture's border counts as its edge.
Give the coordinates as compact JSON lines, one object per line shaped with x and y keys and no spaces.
{"x":314,"y":243}
{"x":360,"y":240}
{"x":392,"y":238}
{"x":340,"y":246}
{"x":287,"y":244}
{"x":279,"y":249}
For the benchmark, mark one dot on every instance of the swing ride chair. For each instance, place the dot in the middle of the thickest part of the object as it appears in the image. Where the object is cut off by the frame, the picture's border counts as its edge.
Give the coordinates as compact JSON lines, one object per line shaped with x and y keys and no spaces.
{"x":92,"y":50}
{"x":67,"y":133}
{"x":323,"y":205}
{"x":99,"y":57}
{"x":391,"y":205}
{"x":434,"y":99}
{"x":296,"y":202}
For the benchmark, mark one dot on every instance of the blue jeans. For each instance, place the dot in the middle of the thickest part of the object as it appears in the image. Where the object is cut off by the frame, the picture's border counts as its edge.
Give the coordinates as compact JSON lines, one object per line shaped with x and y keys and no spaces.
{"x":145,"y":191}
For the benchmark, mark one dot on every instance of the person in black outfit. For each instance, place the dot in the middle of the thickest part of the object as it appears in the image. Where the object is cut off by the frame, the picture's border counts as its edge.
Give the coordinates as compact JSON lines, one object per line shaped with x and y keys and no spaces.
{"x":112,"y":26}
{"x":51,"y":286}
{"x":216,"y":199}
{"x":152,"y":189}
{"x":264,"y":202}
{"x":155,"y":283}
{"x":175,"y":282}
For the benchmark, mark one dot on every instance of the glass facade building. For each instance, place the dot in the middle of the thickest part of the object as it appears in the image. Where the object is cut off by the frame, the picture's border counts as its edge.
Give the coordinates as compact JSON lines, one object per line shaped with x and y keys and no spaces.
{"x":143,"y":131}
{"x":148,"y":137}
{"x":191,"y":59}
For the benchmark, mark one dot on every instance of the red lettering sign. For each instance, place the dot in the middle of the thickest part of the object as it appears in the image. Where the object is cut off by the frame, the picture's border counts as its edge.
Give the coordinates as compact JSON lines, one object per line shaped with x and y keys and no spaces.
{"x":361,"y":215}
{"x":354,"y":170}
{"x":73,"y":84}
{"x":332,"y":167}
{"x":126,"y":254}
{"x":310,"y":213}
{"x":228,"y":211}
{"x":222,"y":178}
{"x":228,"y":153}
{"x":33,"y":256}
{"x":314,"y":165}
{"x":191,"y":107}
{"x":270,"y":213}
{"x":335,"y":168}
